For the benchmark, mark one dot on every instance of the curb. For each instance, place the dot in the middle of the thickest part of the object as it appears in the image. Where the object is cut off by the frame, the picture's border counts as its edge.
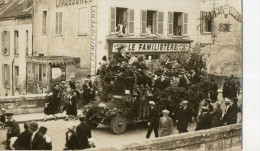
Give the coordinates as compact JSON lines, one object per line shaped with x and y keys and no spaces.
{"x":41,"y":119}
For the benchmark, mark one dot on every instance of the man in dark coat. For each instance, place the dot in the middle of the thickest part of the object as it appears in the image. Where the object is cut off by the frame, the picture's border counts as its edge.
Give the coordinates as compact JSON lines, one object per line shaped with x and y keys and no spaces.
{"x":37,"y":140}
{"x":72,"y":139}
{"x":183,"y":82}
{"x":118,"y":56}
{"x":207,"y":103}
{"x":184,"y":117}
{"x":213,"y":90}
{"x":226,"y":89}
{"x":16,"y":129}
{"x":84,"y":133}
{"x":230,"y":116}
{"x":72,"y":83}
{"x":153,"y":120}
{"x":216,"y":116}
{"x":24,"y":140}
{"x":204,"y":119}
{"x":9,"y":135}
{"x":86,"y":92}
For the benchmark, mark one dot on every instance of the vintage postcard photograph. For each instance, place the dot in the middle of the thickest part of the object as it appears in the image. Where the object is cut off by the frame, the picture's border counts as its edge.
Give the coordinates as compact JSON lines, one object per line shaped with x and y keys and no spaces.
{"x":121,"y":75}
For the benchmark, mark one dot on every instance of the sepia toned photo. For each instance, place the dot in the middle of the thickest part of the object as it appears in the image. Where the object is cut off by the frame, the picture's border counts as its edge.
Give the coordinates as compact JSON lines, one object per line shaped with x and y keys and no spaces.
{"x":121,"y":75}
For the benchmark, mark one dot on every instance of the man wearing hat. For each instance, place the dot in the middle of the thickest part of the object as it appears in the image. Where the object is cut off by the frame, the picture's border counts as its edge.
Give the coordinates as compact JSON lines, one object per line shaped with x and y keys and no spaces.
{"x":207,"y":103}
{"x":119,"y":57}
{"x":226,"y":89}
{"x":230,"y":115}
{"x":204,"y":119}
{"x":84,"y":133}
{"x":37,"y":140}
{"x":9,"y":135}
{"x":72,"y":139}
{"x":86,"y":92}
{"x":153,"y":120}
{"x":72,"y":83}
{"x":16,"y":129}
{"x":165,"y":124}
{"x":184,"y":117}
{"x":183,"y":80}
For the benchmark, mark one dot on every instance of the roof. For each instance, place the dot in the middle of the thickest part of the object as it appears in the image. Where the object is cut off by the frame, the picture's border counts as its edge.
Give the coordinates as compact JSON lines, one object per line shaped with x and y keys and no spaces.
{"x":54,"y":60}
{"x":16,"y":8}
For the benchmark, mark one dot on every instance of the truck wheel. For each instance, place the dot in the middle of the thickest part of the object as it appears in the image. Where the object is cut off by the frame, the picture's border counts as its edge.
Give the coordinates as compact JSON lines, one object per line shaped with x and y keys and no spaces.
{"x":118,"y":124}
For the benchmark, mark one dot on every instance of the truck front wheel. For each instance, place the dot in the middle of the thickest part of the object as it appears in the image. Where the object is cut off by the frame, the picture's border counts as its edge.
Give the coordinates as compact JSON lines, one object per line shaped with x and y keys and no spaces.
{"x":118,"y":124}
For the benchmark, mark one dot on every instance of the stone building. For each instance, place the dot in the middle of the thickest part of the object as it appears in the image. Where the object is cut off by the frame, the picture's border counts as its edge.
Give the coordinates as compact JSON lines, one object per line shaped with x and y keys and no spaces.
{"x":221,"y":22}
{"x":72,"y":36}
{"x":15,"y":44}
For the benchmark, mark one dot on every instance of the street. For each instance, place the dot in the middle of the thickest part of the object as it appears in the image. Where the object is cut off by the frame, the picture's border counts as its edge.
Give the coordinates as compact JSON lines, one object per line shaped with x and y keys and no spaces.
{"x":103,"y":135}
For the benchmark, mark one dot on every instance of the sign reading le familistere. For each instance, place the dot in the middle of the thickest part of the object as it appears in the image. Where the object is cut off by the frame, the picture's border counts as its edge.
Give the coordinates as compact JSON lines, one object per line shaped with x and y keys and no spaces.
{"x":61,"y":3}
{"x":151,"y":47}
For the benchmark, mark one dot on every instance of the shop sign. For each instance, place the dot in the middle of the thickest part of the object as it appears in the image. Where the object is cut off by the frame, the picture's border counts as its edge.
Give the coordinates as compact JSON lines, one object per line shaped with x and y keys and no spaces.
{"x":62,"y":3}
{"x":151,"y":47}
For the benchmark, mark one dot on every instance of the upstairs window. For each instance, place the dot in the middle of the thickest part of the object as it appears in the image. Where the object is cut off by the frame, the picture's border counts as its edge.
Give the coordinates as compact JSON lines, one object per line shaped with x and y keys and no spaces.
{"x":44,"y":22}
{"x":16,"y":43}
{"x":224,"y":27}
{"x":5,"y":38}
{"x":122,"y":21}
{"x":177,"y":23}
{"x":27,"y":43}
{"x":206,"y":22}
{"x":152,"y":23}
{"x":58,"y":28}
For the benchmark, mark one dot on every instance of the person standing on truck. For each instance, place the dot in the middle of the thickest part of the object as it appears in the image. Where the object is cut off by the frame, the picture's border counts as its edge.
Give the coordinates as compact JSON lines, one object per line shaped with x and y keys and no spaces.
{"x":153,"y":120}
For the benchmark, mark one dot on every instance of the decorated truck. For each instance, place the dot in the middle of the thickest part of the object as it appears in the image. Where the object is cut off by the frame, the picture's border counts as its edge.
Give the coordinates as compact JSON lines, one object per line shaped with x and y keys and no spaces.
{"x":128,"y":86}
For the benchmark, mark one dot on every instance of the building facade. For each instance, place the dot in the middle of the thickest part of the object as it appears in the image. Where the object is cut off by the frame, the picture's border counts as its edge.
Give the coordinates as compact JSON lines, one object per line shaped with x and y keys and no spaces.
{"x":15,"y":45}
{"x":86,"y":30}
{"x":224,"y":55}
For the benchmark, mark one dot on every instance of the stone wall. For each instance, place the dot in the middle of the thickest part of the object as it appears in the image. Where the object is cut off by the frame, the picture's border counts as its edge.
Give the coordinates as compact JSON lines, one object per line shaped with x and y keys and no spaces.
{"x":221,"y":138}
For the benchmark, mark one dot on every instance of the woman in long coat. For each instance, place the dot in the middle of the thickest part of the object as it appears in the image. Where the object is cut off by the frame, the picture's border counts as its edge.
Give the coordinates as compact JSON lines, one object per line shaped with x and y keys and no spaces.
{"x":216,"y":116}
{"x":50,"y":106}
{"x":165,"y":124}
{"x":72,"y":105}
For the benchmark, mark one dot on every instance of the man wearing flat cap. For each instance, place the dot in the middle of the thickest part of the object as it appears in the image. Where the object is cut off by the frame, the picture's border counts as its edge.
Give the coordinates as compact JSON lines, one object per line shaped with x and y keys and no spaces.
{"x":153,"y":120}
{"x":165,"y":124}
{"x":184,"y":117}
{"x":84,"y":133}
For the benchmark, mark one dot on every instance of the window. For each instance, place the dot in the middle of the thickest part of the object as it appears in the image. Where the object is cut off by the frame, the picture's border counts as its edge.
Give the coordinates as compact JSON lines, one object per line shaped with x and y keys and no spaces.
{"x":16,"y":76}
{"x":122,"y":21}
{"x":177,"y":24}
{"x":5,"y":37}
{"x":16,"y":43}
{"x":224,"y":27}
{"x":58,"y":28}
{"x":149,"y":22}
{"x":6,"y":75}
{"x":27,"y":43}
{"x":82,"y":21}
{"x":44,"y":22}
{"x":40,"y":72}
{"x":206,"y":22}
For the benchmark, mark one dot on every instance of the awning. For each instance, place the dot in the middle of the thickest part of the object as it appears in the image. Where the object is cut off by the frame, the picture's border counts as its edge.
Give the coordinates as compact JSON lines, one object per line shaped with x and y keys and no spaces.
{"x":144,"y":39}
{"x":53,"y":60}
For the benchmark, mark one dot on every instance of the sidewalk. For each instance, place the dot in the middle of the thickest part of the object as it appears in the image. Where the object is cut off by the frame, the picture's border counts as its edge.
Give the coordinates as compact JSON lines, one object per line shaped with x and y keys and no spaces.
{"x":38,"y":117}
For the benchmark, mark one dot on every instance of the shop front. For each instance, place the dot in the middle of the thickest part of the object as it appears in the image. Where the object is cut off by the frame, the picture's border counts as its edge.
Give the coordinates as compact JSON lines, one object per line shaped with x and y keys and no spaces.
{"x":153,"y":50}
{"x":44,"y":71}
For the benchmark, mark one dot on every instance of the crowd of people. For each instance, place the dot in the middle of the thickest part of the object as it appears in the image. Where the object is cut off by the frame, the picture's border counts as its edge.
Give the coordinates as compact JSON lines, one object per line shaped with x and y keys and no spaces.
{"x":36,"y":138}
{"x":210,"y":115}
{"x":66,"y":96}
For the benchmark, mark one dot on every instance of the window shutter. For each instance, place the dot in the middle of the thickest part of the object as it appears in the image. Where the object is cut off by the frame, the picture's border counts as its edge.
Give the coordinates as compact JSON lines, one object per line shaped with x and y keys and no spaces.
{"x":160,"y":23}
{"x":143,"y":21}
{"x":82,"y":22}
{"x":170,"y":23}
{"x":57,"y":23}
{"x":8,"y":75}
{"x":8,"y":42}
{"x":201,"y":22}
{"x":113,"y":19}
{"x":185,"y":24}
{"x":131,"y":21}
{"x":60,"y":23}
